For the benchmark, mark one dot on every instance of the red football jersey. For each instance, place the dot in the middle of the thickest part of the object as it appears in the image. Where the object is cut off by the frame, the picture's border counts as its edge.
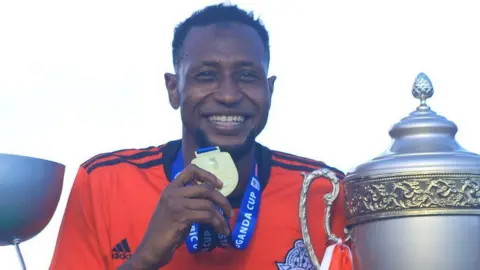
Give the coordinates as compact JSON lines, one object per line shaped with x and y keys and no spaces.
{"x":115,"y":194}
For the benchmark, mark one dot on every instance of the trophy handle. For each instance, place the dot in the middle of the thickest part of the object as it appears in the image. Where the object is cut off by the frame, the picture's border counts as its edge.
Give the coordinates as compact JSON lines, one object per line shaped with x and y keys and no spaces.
{"x":329,"y":200}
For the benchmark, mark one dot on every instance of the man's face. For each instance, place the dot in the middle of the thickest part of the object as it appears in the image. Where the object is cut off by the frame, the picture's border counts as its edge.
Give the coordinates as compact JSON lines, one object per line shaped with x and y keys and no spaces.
{"x":221,"y":86}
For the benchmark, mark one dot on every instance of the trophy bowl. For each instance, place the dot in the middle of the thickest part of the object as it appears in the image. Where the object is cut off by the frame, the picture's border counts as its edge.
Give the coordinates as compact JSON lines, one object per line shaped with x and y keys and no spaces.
{"x":416,"y":206}
{"x":30,"y":189}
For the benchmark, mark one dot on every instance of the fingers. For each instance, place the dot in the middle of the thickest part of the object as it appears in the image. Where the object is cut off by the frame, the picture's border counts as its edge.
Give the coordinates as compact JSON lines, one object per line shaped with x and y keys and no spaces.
{"x":191,"y":173}
{"x":204,"y":211}
{"x":206,"y":191}
{"x":200,"y":203}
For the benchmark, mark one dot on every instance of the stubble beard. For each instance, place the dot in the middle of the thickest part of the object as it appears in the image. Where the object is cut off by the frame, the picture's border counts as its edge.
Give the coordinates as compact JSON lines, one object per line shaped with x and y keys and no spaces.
{"x":236,"y":151}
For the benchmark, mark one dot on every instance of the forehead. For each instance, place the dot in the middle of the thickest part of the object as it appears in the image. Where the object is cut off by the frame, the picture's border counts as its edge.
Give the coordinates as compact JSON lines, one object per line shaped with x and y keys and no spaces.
{"x":224,"y":43}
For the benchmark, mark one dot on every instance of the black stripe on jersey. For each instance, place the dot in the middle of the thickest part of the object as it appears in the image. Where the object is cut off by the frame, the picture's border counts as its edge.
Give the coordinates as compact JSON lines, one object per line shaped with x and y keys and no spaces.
{"x":119,"y":160}
{"x":306,"y":168}
{"x":104,"y":155}
{"x":142,"y":154}
{"x":306,"y":161}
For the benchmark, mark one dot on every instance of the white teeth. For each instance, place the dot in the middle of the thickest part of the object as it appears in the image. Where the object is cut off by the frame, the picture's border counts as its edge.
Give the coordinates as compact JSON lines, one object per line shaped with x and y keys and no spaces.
{"x":227,"y":119}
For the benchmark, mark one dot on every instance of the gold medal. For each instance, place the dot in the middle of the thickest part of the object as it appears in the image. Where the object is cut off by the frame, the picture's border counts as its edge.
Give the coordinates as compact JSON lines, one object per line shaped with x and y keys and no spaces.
{"x":221,"y":165}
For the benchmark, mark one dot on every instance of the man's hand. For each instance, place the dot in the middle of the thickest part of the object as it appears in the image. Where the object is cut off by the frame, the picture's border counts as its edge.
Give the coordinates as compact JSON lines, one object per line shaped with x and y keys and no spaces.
{"x":180,"y":206}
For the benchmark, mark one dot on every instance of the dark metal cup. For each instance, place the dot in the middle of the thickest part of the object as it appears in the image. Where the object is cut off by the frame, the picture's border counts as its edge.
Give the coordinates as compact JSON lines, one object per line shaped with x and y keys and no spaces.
{"x":30,"y":189}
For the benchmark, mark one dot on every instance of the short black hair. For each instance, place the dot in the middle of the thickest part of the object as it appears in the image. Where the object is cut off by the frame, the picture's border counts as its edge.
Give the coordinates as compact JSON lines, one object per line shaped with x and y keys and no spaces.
{"x":217,"y":14}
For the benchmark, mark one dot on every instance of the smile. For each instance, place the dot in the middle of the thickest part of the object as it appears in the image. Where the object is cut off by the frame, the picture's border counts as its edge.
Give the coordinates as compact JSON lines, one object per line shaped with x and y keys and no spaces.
{"x":226,"y":121}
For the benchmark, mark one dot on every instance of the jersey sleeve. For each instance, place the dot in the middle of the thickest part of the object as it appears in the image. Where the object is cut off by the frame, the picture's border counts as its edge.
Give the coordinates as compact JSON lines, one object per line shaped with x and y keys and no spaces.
{"x":77,"y":244}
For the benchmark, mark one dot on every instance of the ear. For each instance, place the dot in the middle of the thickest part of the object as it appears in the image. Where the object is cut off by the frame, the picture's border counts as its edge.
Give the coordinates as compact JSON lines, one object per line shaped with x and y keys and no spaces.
{"x":271,"y":83}
{"x":171,"y":84}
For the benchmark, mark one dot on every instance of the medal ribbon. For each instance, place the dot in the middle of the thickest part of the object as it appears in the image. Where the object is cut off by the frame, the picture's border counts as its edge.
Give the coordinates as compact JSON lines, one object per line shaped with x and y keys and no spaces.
{"x":202,"y":236}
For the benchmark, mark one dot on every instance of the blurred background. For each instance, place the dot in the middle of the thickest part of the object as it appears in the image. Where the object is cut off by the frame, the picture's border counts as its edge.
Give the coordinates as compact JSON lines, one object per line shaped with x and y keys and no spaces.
{"x":78,"y":78}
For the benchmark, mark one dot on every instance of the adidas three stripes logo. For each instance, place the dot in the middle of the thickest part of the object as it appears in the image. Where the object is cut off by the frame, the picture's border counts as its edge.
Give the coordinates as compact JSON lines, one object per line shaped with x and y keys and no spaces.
{"x":122,"y":250}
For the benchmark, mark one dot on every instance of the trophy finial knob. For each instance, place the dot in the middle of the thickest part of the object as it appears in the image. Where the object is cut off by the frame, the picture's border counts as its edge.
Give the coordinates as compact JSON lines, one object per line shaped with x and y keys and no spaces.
{"x":422,"y":90}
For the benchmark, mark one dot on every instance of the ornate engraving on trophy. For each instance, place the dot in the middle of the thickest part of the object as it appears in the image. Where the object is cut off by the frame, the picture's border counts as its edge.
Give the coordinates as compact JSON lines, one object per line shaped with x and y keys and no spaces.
{"x":412,"y":195}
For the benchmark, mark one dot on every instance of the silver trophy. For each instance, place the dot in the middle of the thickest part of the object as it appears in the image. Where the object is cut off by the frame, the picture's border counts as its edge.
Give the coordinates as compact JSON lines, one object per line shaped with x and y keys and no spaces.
{"x":30,"y":189}
{"x":416,"y":206}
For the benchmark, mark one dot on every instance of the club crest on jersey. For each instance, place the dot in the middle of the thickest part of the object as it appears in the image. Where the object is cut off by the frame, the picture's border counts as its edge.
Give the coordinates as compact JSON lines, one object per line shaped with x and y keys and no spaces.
{"x":297,"y":258}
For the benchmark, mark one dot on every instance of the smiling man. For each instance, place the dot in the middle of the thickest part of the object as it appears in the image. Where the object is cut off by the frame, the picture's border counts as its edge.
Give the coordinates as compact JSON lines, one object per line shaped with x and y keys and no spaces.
{"x":142,"y":209}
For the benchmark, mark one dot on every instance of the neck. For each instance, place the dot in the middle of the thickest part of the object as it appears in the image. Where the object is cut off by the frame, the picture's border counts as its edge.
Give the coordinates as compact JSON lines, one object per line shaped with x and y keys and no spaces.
{"x":243,"y":164}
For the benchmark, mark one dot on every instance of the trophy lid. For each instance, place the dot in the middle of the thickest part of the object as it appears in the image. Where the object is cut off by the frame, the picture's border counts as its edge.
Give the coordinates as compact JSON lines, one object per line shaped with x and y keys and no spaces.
{"x":422,"y":142}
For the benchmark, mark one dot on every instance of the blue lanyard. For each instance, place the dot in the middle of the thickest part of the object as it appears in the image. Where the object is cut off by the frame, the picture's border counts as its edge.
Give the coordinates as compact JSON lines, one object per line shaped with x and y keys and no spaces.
{"x":203,"y":238}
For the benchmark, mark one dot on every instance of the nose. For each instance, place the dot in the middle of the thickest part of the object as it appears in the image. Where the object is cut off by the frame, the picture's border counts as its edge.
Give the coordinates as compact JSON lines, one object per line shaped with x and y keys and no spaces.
{"x":229,"y":93}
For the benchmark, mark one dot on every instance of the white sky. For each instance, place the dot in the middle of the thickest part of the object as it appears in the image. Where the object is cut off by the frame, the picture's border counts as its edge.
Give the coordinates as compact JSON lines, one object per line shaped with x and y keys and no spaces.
{"x":78,"y":78}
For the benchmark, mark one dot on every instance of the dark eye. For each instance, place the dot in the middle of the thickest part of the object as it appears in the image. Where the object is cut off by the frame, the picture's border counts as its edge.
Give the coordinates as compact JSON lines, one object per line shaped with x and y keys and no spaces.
{"x":247,"y":76}
{"x":206,"y":76}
